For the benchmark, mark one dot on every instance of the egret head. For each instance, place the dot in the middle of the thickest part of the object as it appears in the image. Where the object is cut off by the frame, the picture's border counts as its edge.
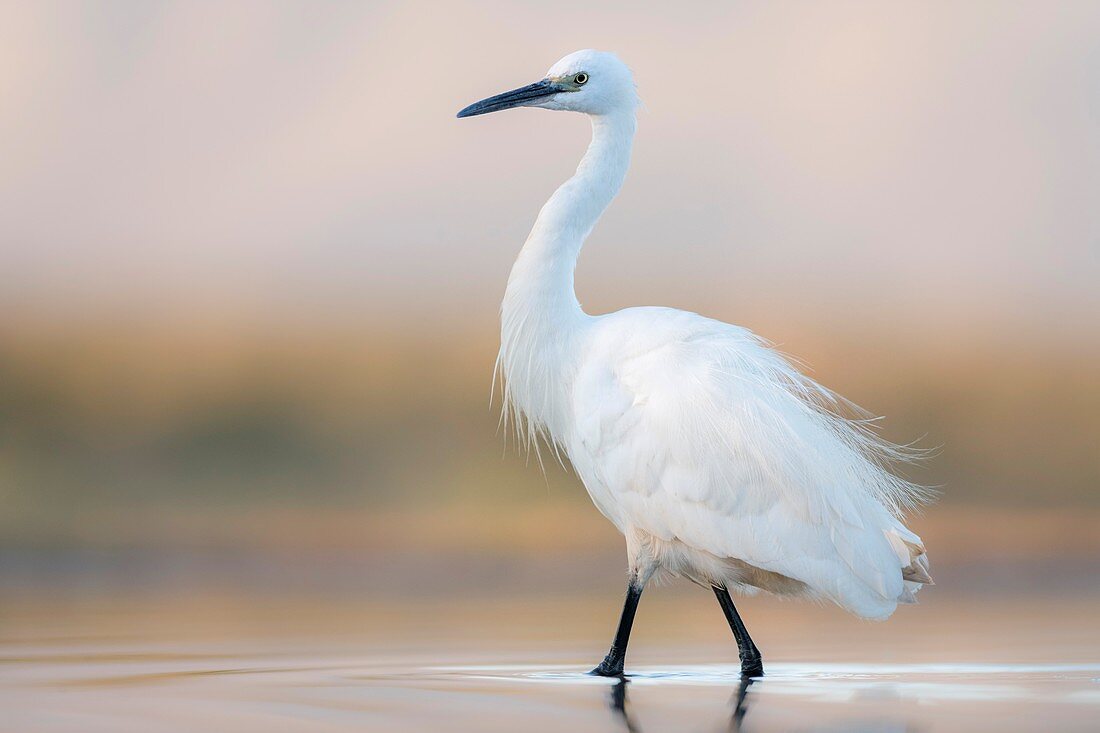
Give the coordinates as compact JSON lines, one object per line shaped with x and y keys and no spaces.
{"x":592,"y":82}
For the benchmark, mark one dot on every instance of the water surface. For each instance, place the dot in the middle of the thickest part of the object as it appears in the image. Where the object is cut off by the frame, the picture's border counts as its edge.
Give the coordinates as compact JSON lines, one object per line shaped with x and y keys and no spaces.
{"x":507,"y":665}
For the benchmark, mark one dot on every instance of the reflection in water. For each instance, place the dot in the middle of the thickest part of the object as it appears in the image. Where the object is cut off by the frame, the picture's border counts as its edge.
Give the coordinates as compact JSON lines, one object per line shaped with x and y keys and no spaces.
{"x":618,"y":703}
{"x":740,"y":704}
{"x":186,"y":688}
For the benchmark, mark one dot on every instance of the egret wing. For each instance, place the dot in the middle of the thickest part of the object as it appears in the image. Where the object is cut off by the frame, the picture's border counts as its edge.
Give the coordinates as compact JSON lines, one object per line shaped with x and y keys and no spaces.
{"x":705,"y":436}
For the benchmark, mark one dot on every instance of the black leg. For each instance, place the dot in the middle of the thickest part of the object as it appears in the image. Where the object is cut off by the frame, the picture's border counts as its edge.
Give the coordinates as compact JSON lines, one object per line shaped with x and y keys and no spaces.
{"x":751,"y":664}
{"x":612,"y":665}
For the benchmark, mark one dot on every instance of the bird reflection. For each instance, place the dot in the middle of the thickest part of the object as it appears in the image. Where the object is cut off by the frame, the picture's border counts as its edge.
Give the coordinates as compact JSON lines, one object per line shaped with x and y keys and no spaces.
{"x":617,"y":701}
{"x":740,"y":703}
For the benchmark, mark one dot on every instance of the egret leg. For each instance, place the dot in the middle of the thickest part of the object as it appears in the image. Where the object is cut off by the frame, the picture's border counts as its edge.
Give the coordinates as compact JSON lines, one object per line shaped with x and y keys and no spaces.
{"x":751,"y":662}
{"x":612,"y":664}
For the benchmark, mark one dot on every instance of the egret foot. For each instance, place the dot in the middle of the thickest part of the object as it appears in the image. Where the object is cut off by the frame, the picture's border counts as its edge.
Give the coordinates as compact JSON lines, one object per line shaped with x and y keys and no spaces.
{"x":752,"y":667}
{"x":609,"y":667}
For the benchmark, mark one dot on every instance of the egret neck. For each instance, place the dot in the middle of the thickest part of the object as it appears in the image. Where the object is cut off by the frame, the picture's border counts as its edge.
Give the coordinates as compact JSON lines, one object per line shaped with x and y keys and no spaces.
{"x":540,"y":315}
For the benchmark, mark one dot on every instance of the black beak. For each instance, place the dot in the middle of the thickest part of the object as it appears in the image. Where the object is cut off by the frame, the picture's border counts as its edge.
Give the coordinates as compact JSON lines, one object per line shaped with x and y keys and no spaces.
{"x":516,"y":98}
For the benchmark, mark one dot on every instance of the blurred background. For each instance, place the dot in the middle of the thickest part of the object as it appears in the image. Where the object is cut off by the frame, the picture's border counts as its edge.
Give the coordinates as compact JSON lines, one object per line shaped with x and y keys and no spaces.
{"x":251,"y":264}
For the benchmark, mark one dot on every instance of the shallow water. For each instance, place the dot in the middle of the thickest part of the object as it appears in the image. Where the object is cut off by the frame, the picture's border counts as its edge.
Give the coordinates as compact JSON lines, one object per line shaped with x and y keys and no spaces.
{"x":50,"y":688}
{"x":498,"y":664}
{"x":152,"y":645}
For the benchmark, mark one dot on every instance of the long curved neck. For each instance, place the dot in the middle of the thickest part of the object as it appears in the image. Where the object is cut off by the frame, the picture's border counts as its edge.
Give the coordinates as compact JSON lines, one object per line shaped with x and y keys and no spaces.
{"x":540,"y":314}
{"x":543,"y":274}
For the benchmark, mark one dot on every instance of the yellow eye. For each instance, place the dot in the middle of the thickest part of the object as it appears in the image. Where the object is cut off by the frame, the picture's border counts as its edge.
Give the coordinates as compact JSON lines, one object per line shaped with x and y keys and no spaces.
{"x":580,"y":78}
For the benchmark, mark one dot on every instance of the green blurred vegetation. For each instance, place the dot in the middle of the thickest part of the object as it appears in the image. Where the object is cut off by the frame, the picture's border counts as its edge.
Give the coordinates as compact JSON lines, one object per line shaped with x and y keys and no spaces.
{"x":108,"y":421}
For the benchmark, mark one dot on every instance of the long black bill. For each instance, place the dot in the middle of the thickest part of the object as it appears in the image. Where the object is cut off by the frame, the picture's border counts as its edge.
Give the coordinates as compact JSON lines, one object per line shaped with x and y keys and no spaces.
{"x":515,"y":98}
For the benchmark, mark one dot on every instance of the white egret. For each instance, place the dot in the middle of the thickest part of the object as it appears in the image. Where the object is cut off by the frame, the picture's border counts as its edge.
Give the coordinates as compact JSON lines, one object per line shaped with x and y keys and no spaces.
{"x":717,"y":460}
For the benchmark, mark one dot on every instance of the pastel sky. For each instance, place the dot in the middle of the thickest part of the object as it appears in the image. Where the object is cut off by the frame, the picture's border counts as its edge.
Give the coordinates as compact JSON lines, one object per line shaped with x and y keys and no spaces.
{"x":932,"y":160}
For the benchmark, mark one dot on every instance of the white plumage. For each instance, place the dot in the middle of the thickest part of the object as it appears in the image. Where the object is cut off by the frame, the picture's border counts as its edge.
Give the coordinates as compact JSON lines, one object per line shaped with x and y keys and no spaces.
{"x":712,"y":454}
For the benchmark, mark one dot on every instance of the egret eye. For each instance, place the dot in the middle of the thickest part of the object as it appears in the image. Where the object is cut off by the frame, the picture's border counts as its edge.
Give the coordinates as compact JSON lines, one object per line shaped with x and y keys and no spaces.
{"x":580,"y":78}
